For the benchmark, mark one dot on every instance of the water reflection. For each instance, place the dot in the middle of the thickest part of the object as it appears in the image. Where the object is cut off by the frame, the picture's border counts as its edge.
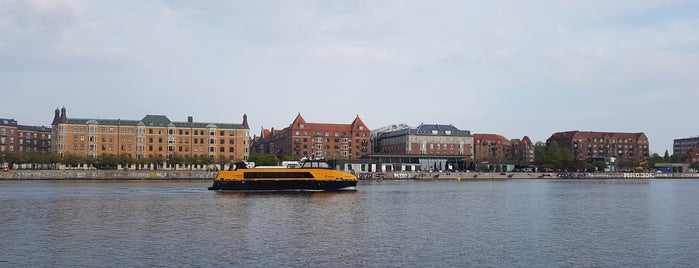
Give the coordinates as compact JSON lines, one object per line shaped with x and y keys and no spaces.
{"x":286,"y":194}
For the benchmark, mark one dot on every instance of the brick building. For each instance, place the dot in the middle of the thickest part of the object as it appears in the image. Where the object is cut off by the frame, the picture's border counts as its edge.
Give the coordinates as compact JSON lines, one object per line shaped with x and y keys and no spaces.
{"x":16,"y":138}
{"x":154,"y":135}
{"x":426,"y":147}
{"x":315,"y":140}
{"x":494,"y":147}
{"x":693,"y":155}
{"x":491,"y":147}
{"x":629,"y":149}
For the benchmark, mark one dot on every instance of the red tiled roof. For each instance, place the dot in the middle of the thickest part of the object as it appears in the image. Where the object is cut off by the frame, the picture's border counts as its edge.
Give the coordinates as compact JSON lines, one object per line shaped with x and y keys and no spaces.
{"x":596,"y":135}
{"x":299,"y":120}
{"x":490,"y":137}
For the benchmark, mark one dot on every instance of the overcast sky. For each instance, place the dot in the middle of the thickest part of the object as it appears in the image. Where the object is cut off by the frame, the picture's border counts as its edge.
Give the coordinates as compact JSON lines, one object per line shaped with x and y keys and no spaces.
{"x":513,"y":68}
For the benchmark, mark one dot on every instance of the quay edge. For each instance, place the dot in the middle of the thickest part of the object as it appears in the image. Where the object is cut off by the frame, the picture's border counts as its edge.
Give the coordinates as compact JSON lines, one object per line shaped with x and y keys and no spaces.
{"x":107,"y":175}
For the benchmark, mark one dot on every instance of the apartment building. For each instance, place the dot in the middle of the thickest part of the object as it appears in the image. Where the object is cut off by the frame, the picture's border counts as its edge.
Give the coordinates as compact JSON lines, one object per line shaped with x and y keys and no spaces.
{"x":154,"y":135}
{"x":495,"y":147}
{"x":315,"y":140}
{"x":16,"y":138}
{"x":682,"y":147}
{"x":629,"y":149}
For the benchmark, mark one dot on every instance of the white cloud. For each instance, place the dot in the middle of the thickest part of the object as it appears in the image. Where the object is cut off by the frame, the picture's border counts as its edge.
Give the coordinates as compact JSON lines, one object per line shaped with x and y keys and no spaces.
{"x":501,"y":66}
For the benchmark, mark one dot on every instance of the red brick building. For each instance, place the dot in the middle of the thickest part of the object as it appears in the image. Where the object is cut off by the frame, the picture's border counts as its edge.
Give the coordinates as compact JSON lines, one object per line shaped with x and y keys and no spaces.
{"x":693,"y":155}
{"x":315,"y":140}
{"x":16,"y":138}
{"x":629,"y":149}
{"x":494,"y":147}
{"x":491,"y":147}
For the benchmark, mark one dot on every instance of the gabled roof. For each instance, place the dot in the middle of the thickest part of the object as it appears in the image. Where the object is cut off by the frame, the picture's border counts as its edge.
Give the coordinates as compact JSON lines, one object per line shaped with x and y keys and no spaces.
{"x":300,"y":123}
{"x":596,"y":135}
{"x":490,"y":137}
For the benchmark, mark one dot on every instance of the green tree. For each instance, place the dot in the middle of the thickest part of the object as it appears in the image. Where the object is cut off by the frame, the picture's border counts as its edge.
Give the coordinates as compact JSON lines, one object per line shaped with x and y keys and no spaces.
{"x":263,"y":159}
{"x":666,"y":157}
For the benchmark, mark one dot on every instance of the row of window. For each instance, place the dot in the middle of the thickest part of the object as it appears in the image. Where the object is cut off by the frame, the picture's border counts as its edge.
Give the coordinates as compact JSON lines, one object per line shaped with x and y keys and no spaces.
{"x":150,"y":131}
{"x":77,"y":138}
{"x":335,"y":134}
{"x":141,"y":148}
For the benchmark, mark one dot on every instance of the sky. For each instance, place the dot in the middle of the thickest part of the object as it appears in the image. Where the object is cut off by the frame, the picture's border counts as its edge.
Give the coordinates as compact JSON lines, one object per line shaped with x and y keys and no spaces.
{"x":511,"y":67}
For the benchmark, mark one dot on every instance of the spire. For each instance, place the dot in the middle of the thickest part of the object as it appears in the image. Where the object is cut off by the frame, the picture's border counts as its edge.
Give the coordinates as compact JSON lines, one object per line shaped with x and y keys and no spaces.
{"x":64,"y":117}
{"x":245,"y":121}
{"x":56,"y":116}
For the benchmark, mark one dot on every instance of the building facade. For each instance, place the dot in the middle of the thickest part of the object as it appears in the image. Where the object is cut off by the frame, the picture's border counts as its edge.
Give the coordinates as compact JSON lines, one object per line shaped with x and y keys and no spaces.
{"x":426,"y":147}
{"x":315,"y":140}
{"x":494,"y":147}
{"x":491,"y":147}
{"x":682,"y":147}
{"x":16,"y":138}
{"x":154,"y":135}
{"x":628,"y":149}
{"x":693,"y":155}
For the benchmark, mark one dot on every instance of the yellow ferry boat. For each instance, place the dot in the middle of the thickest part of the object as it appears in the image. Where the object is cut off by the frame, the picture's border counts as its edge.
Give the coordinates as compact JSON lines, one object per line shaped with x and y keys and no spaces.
{"x":309,"y":175}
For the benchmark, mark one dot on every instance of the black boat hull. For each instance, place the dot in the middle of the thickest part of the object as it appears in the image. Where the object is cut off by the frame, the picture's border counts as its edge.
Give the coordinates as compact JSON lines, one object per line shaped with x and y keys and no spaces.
{"x":283,"y":185}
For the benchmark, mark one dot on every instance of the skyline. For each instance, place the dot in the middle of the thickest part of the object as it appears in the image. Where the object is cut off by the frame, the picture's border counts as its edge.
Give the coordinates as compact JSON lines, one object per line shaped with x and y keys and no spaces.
{"x":500,"y":67}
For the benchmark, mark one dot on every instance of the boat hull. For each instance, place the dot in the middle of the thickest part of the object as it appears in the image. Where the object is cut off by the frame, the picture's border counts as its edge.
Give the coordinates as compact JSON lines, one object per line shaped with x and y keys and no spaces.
{"x":283,"y":185}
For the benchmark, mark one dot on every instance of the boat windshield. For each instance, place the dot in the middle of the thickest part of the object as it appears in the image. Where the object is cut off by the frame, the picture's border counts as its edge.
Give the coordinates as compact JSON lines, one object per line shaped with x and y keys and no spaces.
{"x":315,"y":164}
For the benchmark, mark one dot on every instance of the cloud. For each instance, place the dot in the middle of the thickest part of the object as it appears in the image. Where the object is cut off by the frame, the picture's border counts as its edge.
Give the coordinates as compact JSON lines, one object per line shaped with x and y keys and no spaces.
{"x":501,"y":66}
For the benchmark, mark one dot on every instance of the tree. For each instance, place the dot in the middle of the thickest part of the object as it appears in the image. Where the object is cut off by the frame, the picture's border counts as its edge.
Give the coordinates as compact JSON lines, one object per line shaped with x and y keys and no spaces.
{"x":263,"y":159}
{"x":666,"y":157}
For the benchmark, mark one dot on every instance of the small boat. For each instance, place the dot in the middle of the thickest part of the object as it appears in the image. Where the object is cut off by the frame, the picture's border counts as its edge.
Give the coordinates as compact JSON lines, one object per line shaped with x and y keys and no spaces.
{"x":310,"y":175}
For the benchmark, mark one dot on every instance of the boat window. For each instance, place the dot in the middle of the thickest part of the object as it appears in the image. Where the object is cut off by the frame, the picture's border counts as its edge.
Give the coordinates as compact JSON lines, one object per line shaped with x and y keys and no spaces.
{"x":277,"y":175}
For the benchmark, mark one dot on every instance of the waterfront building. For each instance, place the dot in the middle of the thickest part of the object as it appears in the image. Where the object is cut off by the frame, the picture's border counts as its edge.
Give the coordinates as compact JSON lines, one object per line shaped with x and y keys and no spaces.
{"x":494,"y":147}
{"x":522,"y":150}
{"x":491,"y":147}
{"x":629,"y":149}
{"x":315,"y":140}
{"x":693,"y":155}
{"x":426,"y":147}
{"x":152,"y":136}
{"x":682,"y":147}
{"x":16,"y":138}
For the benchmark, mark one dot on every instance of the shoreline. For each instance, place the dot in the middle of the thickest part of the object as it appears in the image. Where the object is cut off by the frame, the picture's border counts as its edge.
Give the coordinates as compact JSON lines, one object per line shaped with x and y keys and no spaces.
{"x":376,"y":176}
{"x":107,"y":175}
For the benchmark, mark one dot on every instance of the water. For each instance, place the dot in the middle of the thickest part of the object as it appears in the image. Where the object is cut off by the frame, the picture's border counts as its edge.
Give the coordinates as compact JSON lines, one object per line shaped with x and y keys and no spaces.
{"x":499,"y":223}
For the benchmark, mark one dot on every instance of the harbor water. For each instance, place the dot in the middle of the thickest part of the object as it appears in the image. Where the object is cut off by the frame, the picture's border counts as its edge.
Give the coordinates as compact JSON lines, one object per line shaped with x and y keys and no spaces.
{"x":481,"y":223}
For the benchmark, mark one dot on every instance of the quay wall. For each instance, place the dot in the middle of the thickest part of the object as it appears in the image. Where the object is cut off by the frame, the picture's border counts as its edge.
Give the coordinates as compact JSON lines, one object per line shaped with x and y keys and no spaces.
{"x":107,"y":175}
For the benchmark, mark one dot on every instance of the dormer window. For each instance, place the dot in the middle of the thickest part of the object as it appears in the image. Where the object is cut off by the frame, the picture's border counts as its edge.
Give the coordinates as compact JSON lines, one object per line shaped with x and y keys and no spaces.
{"x":435,"y":132}
{"x":448,"y":132}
